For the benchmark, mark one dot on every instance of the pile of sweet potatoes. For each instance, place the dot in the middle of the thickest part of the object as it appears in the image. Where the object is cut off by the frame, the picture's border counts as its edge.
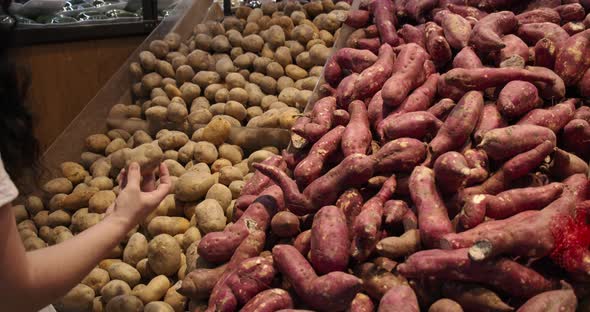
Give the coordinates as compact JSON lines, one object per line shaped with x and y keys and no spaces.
{"x":444,"y":168}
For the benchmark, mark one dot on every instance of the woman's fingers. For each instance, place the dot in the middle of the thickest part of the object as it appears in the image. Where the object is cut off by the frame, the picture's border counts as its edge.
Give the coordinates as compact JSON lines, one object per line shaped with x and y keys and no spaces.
{"x":133,"y":176}
{"x":164,"y":186}
{"x":148,"y":183}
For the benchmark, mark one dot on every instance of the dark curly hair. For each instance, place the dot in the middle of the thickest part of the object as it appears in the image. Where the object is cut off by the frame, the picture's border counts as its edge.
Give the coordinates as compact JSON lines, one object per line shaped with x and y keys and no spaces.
{"x":19,"y":148}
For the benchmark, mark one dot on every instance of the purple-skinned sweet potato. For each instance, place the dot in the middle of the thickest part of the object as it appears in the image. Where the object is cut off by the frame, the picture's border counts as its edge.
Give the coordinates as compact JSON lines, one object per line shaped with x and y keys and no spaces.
{"x":571,"y":12}
{"x":573,"y":60}
{"x":353,"y":60}
{"x":375,"y":110}
{"x":340,"y":117}
{"x":575,"y":137}
{"x":452,"y":172}
{"x":583,"y":112}
{"x":372,"y":79}
{"x":433,"y":218}
{"x":259,"y":182}
{"x":507,"y":203}
{"x":357,"y":18}
{"x":408,"y":74}
{"x":545,"y":53}
{"x":554,"y":117}
{"x":350,"y":202}
{"x":218,"y":247}
{"x":412,"y":34}
{"x":531,"y":33}
{"x":310,"y":168}
{"x":554,"y":90}
{"x":269,"y":300}
{"x":490,"y":119}
{"x":466,"y":11}
{"x":540,"y":15}
{"x":564,"y":165}
{"x":396,"y":247}
{"x":503,"y":274}
{"x":517,"y":98}
{"x":486,"y":35}
{"x":507,"y":142}
{"x":303,"y":242}
{"x":385,"y":21}
{"x":442,"y":108}
{"x":584,"y":84}
{"x":353,"y":171}
{"x":459,"y":124}
{"x":394,"y":211}
{"x":437,"y":45}
{"x":345,"y":93}
{"x":457,"y":30}
{"x":473,"y":297}
{"x":361,"y":303}
{"x":513,"y":46}
{"x":467,"y":58}
{"x":331,"y":292}
{"x":329,"y":241}
{"x":371,"y":44}
{"x":421,"y":98}
{"x":556,"y":300}
{"x":573,"y":28}
{"x":419,"y":125}
{"x":400,"y":155}
{"x":321,"y":120}
{"x":356,"y":138}
{"x":418,"y":9}
{"x":399,"y":296}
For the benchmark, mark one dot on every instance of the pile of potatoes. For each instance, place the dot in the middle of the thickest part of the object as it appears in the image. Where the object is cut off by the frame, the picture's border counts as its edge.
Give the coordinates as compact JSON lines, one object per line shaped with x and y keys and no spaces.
{"x":142,"y":273}
{"x":256,"y":69}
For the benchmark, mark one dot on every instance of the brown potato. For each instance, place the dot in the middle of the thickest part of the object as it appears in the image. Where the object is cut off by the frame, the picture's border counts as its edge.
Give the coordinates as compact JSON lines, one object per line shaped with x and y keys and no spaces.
{"x":220,"y":44}
{"x":159,"y":48}
{"x":97,"y":143}
{"x":184,"y":73}
{"x":136,"y":249}
{"x":164,"y":255}
{"x":200,"y":60}
{"x":125,"y":272}
{"x":268,"y":85}
{"x":79,"y":298}
{"x":210,"y":216}
{"x":216,"y":132}
{"x":147,"y":60}
{"x":96,"y":279}
{"x":206,"y":78}
{"x":124,"y":303}
{"x":225,"y":66}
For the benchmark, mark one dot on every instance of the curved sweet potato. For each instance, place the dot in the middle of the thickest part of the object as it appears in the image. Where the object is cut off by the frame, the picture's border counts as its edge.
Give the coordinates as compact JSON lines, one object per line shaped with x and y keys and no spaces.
{"x":357,"y":18}
{"x":350,"y":59}
{"x":321,"y":120}
{"x":554,"y":90}
{"x":452,"y":172}
{"x":372,"y":79}
{"x":437,"y":45}
{"x":554,"y":117}
{"x":412,"y":34}
{"x":310,"y":168}
{"x":507,"y":142}
{"x":421,"y":98}
{"x":419,"y":125}
{"x":375,"y":110}
{"x":258,"y":182}
{"x":345,"y":93}
{"x":531,"y":33}
{"x":490,"y":119}
{"x":442,"y":109}
{"x":400,"y":155}
{"x":573,"y":60}
{"x":485,"y":36}
{"x":269,"y":300}
{"x":357,"y":137}
{"x":385,"y":21}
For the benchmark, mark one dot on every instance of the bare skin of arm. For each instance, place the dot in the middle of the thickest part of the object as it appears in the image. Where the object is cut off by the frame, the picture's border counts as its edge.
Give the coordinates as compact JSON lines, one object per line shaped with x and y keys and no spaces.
{"x":31,"y":280}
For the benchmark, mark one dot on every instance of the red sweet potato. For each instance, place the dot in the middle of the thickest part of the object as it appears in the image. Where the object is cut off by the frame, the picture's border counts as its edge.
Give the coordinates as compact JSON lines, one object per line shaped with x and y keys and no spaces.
{"x":433,"y":218}
{"x":408,"y":74}
{"x":545,"y":53}
{"x":554,"y":117}
{"x":582,"y":113}
{"x":473,"y":297}
{"x":513,"y":46}
{"x":353,"y":60}
{"x":372,"y":79}
{"x":321,"y":119}
{"x":218,"y":247}
{"x":442,"y":108}
{"x":399,"y":296}
{"x":371,"y":44}
{"x":535,"y":4}
{"x":419,"y":125}
{"x":242,"y":204}
{"x":490,"y":119}
{"x":507,"y":142}
{"x":503,"y":274}
{"x":517,"y":98}
{"x":361,"y":303}
{"x":303,"y":242}
{"x":531,"y":33}
{"x":555,"y":300}
{"x":421,"y":98}
{"x":573,"y":60}
{"x":539,"y":15}
{"x":584,"y":84}
{"x":573,"y":28}
{"x":357,"y":135}
{"x":394,"y":211}
{"x":486,"y":35}
{"x":417,"y":9}
{"x":385,"y":21}
{"x":452,"y":172}
{"x":457,"y":30}
{"x":355,"y":36}
{"x":340,"y":117}
{"x":437,"y":45}
{"x":269,"y":300}
{"x":354,"y":170}
{"x":554,"y":90}
{"x":375,"y":110}
{"x":564,"y":164}
{"x":293,"y":157}
{"x":400,"y":155}
{"x":345,"y":91}
{"x":466,"y":11}
{"x":259,"y":182}
{"x":575,"y":137}
{"x":459,"y":125}
{"x":310,"y":168}
{"x":570,"y":12}
{"x":331,"y":292}
{"x":350,"y":203}
{"x":466,"y":58}
{"x":412,"y":34}
{"x":396,"y":247}
{"x":329,"y":241}
{"x":508,"y":203}
{"x":357,"y":18}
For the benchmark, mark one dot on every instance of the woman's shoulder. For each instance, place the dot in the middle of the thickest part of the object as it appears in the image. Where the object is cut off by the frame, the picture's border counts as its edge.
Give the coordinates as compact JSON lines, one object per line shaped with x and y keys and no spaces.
{"x":8,"y":191}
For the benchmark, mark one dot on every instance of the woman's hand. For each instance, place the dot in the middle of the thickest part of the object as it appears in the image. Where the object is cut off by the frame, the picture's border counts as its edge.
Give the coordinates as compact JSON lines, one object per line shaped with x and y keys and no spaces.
{"x":138,"y":198}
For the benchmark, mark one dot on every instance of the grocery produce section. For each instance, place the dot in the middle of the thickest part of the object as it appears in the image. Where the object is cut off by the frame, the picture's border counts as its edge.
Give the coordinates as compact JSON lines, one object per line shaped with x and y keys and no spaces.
{"x":437,"y":162}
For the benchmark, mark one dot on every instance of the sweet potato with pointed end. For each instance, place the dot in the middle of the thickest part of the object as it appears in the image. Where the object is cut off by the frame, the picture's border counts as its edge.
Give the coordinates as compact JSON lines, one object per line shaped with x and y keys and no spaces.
{"x":357,"y":135}
{"x":466,"y":11}
{"x":473,"y":297}
{"x":507,"y":142}
{"x":395,"y":211}
{"x":457,"y":30}
{"x":554,"y":117}
{"x":517,"y":98}
{"x":459,"y":125}
{"x":218,"y":247}
{"x":353,"y":171}
{"x":417,"y":9}
{"x":437,"y":45}
{"x":531,"y":33}
{"x":556,"y":300}
{"x":452,"y":172}
{"x":357,"y":18}
{"x":490,"y":119}
{"x":385,"y":21}
{"x":353,"y":60}
{"x":372,"y":79}
{"x":412,"y":34}
{"x":345,"y":93}
{"x":303,"y":242}
{"x":570,"y":12}
{"x":553,"y":90}
{"x":375,"y":110}
{"x":258,"y":182}
{"x":329,"y":241}
{"x":400,"y":155}
{"x":503,"y":274}
{"x":539,"y":15}
{"x":421,"y":98}
{"x":397,"y":247}
{"x":361,"y":303}
{"x":408,"y":74}
{"x":442,"y":108}
{"x":564,"y":164}
{"x":418,"y":125}
{"x":486,"y":34}
{"x":269,"y":300}
{"x":575,"y":137}
{"x":433,"y":218}
{"x":545,"y":53}
{"x":399,"y":296}
{"x":321,"y":120}
{"x":507,"y":204}
{"x":573,"y":59}
{"x":350,"y":203}
{"x":310,"y":168}
{"x":331,"y":292}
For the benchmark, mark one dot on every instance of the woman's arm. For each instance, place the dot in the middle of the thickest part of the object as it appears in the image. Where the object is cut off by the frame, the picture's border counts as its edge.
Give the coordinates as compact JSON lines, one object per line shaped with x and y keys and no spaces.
{"x":30,"y":281}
